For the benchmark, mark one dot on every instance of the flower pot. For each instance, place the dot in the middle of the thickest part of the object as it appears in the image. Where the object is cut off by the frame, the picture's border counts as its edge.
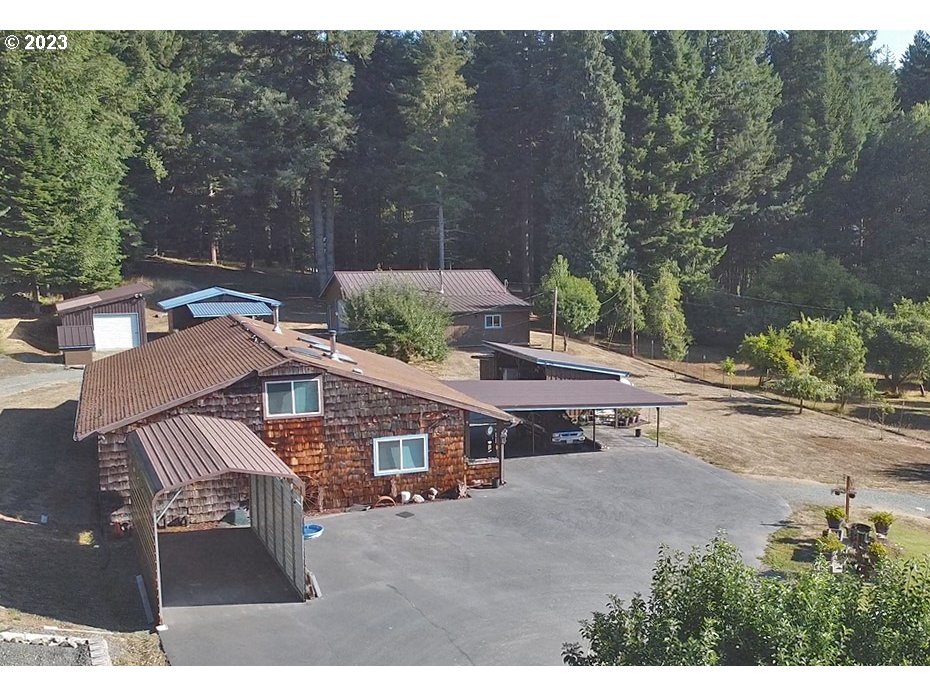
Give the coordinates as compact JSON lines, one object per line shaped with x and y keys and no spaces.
{"x":833,"y":524}
{"x":881,"y":528}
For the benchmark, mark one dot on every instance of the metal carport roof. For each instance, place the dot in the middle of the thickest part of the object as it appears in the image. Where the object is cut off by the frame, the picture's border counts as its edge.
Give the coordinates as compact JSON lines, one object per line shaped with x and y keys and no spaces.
{"x":555,"y":359}
{"x":559,"y":395}
{"x":191,"y":448}
{"x":165,"y":456}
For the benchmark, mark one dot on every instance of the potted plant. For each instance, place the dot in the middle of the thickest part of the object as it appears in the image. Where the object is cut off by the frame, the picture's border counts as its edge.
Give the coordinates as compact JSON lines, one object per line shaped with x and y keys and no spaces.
{"x":877,"y":551}
{"x":882,"y":520}
{"x":829,"y":546}
{"x":835,"y":515}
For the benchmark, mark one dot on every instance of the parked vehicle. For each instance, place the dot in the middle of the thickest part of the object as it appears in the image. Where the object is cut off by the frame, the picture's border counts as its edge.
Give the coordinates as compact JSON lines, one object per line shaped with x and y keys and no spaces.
{"x":562,"y":431}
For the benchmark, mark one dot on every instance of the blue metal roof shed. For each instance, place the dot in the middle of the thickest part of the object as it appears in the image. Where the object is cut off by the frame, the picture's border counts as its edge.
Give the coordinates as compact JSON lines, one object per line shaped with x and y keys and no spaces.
{"x":193,"y":308}
{"x":245,"y":309}
{"x":215,"y":292}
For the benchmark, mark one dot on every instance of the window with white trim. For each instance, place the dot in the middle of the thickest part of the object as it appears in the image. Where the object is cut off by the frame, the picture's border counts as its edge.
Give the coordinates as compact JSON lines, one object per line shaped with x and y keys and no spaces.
{"x":292,"y":398}
{"x":401,"y":454}
{"x":492,"y":322}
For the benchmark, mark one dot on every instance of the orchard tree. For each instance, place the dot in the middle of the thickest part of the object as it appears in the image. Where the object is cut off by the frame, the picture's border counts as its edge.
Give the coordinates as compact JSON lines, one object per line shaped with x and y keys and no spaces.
{"x":899,"y":343}
{"x":802,"y":385}
{"x":768,"y":353}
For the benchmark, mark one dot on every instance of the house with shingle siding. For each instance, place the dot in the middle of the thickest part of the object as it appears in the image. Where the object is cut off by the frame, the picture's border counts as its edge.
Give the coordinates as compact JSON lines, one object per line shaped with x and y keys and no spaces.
{"x":482,"y":308}
{"x":352,"y":424}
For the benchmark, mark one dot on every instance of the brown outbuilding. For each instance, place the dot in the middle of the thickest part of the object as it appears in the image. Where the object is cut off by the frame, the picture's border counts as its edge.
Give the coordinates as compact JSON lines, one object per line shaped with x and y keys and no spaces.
{"x":108,"y":320}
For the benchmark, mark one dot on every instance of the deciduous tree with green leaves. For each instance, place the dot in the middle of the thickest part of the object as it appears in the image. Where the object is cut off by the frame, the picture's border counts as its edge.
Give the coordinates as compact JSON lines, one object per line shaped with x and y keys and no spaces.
{"x":899,"y":342}
{"x":710,"y":608}
{"x":665,"y":316}
{"x":399,"y":321}
{"x":768,"y":353}
{"x":578,"y":306}
{"x":802,"y":385}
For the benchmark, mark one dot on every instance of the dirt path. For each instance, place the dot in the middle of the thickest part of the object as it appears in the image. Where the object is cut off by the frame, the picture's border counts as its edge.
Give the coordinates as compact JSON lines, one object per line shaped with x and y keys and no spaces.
{"x":753,"y":435}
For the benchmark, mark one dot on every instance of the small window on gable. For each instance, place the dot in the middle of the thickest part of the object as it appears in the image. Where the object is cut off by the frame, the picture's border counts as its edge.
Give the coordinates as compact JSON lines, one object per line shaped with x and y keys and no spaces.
{"x":293,"y":398}
{"x":492,"y":322}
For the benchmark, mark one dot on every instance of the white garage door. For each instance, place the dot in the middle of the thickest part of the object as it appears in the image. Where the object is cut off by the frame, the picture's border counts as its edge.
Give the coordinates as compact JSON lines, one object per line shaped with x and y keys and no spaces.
{"x":113,"y":332}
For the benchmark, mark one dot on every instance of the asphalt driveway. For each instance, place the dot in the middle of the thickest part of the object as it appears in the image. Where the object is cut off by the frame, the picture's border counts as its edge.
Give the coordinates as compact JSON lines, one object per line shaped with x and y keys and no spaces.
{"x":502,"y":578}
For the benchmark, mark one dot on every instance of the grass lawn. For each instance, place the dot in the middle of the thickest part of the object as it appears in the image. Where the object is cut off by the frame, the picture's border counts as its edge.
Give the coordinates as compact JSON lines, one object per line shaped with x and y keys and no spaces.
{"x":791,"y":549}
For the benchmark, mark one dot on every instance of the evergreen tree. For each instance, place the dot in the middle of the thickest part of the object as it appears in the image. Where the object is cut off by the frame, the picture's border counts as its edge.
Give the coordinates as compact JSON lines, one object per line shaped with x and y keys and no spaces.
{"x":373,"y":213}
{"x":440,"y":154}
{"x":672,"y":137}
{"x":743,"y":167}
{"x":892,"y":203}
{"x":914,"y":73}
{"x":584,"y":182}
{"x":67,"y":134}
{"x":834,"y":96}
{"x":513,"y":110}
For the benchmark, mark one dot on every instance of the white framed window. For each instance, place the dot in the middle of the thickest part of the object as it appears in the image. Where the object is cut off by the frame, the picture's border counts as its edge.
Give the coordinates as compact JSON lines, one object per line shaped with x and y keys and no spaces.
{"x":492,"y":322}
{"x":285,"y":398}
{"x":401,"y":454}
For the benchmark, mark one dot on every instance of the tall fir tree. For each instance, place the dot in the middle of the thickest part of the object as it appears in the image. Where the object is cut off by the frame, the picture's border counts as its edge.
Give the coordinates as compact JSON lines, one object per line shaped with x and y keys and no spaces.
{"x":67,"y":134}
{"x":513,"y":110}
{"x":671,"y":134}
{"x":440,"y":154}
{"x":744,"y":169}
{"x":914,"y":73}
{"x":584,"y":181}
{"x":834,"y":95}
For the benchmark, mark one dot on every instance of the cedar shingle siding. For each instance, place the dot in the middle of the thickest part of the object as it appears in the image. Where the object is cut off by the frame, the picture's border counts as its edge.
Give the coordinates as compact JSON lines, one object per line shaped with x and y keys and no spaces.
{"x":333,"y":451}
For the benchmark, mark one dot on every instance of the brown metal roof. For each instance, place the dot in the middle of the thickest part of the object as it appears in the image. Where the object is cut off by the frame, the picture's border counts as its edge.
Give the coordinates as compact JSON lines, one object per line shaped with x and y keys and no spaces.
{"x":556,"y":395}
{"x":366,"y":366}
{"x":556,"y":359}
{"x":131,"y":385}
{"x":103,"y":297}
{"x":75,"y":337}
{"x":126,"y":387}
{"x":191,"y":448}
{"x":463,"y":290}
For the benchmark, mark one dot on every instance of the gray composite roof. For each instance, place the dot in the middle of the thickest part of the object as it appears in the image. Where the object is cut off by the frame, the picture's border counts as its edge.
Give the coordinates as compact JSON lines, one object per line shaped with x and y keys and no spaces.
{"x":555,"y":359}
{"x":557,"y":395}
{"x":191,"y":448}
{"x":214,"y":292}
{"x":463,"y":290}
{"x":103,"y":297}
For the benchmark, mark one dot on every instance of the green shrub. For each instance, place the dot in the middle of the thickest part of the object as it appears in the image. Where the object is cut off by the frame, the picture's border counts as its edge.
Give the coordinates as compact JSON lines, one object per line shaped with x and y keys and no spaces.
{"x":837,"y":513}
{"x":399,"y":321}
{"x":710,"y":608}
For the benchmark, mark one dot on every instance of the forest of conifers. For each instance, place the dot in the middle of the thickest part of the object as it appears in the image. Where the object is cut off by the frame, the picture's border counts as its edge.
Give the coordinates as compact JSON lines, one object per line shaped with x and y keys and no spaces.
{"x":620,"y":150}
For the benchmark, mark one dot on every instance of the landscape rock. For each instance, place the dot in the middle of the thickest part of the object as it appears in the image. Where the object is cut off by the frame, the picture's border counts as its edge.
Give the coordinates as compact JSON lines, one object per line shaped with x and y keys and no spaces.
{"x":416,"y":498}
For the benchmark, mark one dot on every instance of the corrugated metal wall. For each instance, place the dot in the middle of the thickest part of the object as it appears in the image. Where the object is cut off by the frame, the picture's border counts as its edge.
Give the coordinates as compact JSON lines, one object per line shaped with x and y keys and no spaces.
{"x":143,"y":532}
{"x":277,"y":520}
{"x":86,"y":316}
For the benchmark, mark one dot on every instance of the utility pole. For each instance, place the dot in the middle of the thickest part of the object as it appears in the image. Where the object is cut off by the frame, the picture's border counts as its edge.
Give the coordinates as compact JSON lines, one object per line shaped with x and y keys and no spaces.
{"x":555,"y":312}
{"x":632,"y":315}
{"x":442,"y":232}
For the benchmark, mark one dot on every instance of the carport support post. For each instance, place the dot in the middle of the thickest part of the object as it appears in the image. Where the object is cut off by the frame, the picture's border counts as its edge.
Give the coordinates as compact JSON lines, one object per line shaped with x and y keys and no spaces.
{"x":500,"y":451}
{"x":658,"y":412}
{"x":594,"y":425}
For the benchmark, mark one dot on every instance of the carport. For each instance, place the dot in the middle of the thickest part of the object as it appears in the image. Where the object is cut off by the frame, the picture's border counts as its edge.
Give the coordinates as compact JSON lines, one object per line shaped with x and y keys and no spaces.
{"x":166,"y":457}
{"x":520,"y":397}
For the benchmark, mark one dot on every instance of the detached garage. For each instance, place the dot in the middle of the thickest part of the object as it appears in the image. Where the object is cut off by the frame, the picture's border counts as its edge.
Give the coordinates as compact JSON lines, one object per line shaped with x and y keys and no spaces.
{"x":110,"y":320}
